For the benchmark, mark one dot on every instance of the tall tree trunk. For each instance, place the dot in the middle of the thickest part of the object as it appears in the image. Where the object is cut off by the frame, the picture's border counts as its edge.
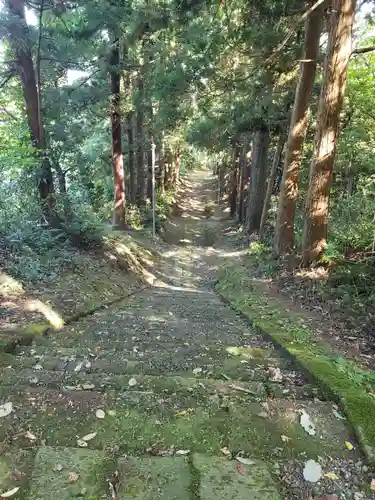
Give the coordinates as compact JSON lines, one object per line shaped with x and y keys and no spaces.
{"x":258,"y":177}
{"x":284,"y":235}
{"x":243,"y":184}
{"x":330,"y":104}
{"x":177,"y":166}
{"x":140,"y":156}
{"x":19,"y":40}
{"x":131,"y":156}
{"x":271,"y":182}
{"x":117,"y":156}
{"x":232,"y":194}
{"x":161,"y":176}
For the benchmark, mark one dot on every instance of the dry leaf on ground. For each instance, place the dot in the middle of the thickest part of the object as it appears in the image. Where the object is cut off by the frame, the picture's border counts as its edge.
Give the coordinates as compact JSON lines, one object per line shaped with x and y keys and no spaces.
{"x":90,"y":436}
{"x":6,"y":409}
{"x":307,"y":424}
{"x":100,"y":414}
{"x":312,"y":471}
{"x":331,"y":475}
{"x":245,"y":461}
{"x":73,"y":477}
{"x":10,"y":493}
{"x":240,"y":469}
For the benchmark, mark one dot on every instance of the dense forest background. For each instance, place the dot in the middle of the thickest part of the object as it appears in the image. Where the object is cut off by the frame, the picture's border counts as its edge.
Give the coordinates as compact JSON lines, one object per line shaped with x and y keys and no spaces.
{"x":277,"y":98}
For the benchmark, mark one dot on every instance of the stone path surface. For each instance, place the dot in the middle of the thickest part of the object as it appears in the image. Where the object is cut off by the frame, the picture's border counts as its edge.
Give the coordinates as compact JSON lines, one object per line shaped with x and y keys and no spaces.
{"x":168,"y":395}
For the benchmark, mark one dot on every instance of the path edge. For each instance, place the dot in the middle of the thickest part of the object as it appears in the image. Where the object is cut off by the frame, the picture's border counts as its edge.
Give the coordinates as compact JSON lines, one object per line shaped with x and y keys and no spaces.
{"x":288,"y":333}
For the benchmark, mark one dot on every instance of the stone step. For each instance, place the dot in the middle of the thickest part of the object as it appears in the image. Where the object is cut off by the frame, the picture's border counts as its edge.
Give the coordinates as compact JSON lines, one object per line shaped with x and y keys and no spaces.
{"x":169,"y":383}
{"x":80,"y":473}
{"x":135,"y":425}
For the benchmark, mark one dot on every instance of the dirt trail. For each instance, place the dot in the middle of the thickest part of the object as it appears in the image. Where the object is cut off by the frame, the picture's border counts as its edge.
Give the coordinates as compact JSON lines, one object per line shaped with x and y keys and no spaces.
{"x":168,"y":388}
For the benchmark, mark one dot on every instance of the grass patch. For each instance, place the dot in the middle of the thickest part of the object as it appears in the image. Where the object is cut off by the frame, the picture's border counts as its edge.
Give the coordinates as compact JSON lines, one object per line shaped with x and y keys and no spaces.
{"x":339,"y":378}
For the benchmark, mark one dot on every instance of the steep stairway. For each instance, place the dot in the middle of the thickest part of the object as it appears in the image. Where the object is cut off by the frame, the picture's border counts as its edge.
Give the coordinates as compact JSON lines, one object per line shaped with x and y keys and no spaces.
{"x":167,"y":395}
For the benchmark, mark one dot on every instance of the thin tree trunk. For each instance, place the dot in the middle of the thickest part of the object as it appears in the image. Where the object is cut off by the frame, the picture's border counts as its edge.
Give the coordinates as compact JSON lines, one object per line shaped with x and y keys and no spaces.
{"x":161,"y":175}
{"x":284,"y":235}
{"x":177,"y":166}
{"x":19,"y":40}
{"x":258,"y":177}
{"x":243,"y":184}
{"x":232,"y":195}
{"x":271,"y":181}
{"x":131,"y":156}
{"x":117,"y":156}
{"x":330,"y":104}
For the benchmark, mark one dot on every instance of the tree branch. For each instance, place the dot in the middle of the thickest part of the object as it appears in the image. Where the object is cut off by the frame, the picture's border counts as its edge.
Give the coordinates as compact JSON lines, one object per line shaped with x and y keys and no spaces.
{"x":363,"y":50}
{"x":8,"y":113}
{"x":292,"y":31}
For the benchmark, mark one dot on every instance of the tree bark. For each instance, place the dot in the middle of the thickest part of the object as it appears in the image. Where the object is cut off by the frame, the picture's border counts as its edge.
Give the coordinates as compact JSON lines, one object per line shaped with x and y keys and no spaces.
{"x":19,"y":40}
{"x":161,"y":176}
{"x":117,"y":155}
{"x":243,"y":183}
{"x":131,"y":156}
{"x":232,"y":195}
{"x":330,"y":104}
{"x":271,"y":182}
{"x":258,"y":177}
{"x":284,"y":235}
{"x":140,"y":156}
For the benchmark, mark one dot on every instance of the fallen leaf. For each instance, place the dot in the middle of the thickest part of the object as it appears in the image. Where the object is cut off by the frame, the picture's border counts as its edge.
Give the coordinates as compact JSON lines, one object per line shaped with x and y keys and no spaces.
{"x":100,"y":414}
{"x":6,"y":409}
{"x":307,"y":423}
{"x":73,"y":477}
{"x":112,"y":413}
{"x":30,"y":435}
{"x":240,"y":469}
{"x":90,"y":436}
{"x":372,"y":485}
{"x":81,"y":443}
{"x":197,"y":370}
{"x":372,"y":394}
{"x":285,"y":439}
{"x":275,"y":374}
{"x":132,"y":382}
{"x":245,"y":461}
{"x":337,"y":413}
{"x":38,"y":367}
{"x":225,"y":451}
{"x":331,"y":475}
{"x":87,"y":386}
{"x":262,"y":414}
{"x":78,"y":367}
{"x":349,"y":445}
{"x":114,"y":485}
{"x":312,"y":471}
{"x":57,"y":468}
{"x":182,"y":452}
{"x":10,"y":493}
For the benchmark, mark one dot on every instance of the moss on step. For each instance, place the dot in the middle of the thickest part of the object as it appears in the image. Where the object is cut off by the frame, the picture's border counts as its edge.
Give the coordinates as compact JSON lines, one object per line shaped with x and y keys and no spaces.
{"x":15,"y":469}
{"x":70,"y":473}
{"x":134,"y":426}
{"x":314,"y":355}
{"x":150,"y":478}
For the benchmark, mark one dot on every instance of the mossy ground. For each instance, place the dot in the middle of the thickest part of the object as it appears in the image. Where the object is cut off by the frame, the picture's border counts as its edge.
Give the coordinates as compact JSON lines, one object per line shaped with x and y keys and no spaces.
{"x":312,"y":353}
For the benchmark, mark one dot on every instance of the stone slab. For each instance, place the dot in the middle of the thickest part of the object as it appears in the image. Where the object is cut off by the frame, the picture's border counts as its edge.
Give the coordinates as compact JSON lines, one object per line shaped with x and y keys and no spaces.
{"x":154,"y":478}
{"x":55,"y":470}
{"x":219,"y":479}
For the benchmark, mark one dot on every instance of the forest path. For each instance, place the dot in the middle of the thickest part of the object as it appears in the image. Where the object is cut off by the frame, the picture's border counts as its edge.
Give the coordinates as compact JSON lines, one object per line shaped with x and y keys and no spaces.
{"x":166,"y":388}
